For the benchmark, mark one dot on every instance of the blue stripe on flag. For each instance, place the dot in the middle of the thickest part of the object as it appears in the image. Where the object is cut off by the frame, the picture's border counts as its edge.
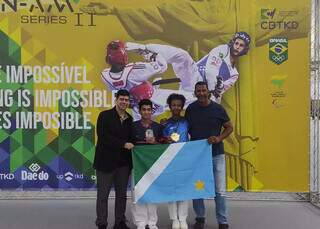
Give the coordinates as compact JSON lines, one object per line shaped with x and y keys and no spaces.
{"x":192,"y":165}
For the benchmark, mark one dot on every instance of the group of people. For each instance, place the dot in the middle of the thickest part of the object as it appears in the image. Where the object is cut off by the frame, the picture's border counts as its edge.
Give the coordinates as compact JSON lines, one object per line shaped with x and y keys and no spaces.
{"x":204,"y":118}
{"x":118,"y":134}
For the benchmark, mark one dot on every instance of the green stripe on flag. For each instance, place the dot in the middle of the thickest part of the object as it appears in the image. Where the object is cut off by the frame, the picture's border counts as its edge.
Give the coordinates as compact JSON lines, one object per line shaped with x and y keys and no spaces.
{"x":143,"y":157}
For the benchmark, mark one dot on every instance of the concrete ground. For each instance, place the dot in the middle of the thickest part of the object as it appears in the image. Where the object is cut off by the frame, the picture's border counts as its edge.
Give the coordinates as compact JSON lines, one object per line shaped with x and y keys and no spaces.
{"x":80,"y":214}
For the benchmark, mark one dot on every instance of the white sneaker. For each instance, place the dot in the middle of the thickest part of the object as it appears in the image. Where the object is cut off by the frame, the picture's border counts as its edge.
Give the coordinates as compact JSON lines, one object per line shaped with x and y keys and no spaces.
{"x":175,"y":224}
{"x":183,"y":225}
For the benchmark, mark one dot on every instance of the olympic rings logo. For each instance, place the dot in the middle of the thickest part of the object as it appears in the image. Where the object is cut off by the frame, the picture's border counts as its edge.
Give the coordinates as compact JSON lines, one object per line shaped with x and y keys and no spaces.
{"x":278,"y":58}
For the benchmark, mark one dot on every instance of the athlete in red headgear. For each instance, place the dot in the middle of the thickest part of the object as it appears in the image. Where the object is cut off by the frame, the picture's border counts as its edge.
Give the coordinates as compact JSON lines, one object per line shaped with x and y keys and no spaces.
{"x":116,"y":54}
{"x":132,"y":76}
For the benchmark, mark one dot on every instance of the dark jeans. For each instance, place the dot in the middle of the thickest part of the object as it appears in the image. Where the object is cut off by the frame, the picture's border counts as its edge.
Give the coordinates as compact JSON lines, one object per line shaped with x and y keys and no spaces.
{"x":119,"y":179}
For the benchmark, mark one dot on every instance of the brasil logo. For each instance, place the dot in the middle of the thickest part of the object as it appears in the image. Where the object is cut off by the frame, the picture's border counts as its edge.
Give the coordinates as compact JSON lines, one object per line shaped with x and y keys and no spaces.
{"x":278,"y":50}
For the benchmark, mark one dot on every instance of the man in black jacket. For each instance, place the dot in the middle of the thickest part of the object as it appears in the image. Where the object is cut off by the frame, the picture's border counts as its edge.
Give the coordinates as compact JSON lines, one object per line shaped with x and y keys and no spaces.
{"x":112,"y":160}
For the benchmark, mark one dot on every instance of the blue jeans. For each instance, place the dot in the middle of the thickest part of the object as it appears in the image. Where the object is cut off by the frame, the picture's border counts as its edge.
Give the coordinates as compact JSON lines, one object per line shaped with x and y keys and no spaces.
{"x":219,"y":171}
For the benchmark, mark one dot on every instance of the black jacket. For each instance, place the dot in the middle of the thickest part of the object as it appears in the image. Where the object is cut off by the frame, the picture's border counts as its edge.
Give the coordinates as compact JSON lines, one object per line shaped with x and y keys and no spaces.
{"x":112,"y":135}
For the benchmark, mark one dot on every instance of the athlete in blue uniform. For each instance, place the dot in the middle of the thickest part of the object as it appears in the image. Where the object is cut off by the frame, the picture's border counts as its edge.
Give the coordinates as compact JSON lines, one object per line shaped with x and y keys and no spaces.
{"x":176,"y":130}
{"x":217,"y":68}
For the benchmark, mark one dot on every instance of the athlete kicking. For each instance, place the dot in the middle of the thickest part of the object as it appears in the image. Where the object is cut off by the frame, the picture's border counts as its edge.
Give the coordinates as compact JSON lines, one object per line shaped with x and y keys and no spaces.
{"x":216,"y":68}
{"x":134,"y":76}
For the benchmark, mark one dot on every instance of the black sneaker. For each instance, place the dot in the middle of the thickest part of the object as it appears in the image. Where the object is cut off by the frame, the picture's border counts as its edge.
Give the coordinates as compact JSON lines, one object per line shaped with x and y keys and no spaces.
{"x":199,"y":224}
{"x":223,"y":226}
{"x":102,"y":227}
{"x":121,"y":225}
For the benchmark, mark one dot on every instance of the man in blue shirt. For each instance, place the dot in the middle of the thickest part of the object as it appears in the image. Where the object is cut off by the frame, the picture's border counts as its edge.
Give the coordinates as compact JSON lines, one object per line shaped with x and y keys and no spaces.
{"x":206,"y":119}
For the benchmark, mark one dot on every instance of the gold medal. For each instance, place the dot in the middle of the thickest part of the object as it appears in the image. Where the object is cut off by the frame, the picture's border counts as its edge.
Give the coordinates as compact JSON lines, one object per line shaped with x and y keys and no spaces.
{"x":175,"y":137}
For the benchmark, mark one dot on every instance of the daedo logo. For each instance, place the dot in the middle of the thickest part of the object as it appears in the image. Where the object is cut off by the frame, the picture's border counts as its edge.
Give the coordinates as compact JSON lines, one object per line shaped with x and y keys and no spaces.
{"x":35,"y":173}
{"x":34,"y":167}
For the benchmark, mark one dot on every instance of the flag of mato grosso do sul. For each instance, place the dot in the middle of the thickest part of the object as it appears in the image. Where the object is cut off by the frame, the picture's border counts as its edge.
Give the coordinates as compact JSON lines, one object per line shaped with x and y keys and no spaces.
{"x":172,"y":172}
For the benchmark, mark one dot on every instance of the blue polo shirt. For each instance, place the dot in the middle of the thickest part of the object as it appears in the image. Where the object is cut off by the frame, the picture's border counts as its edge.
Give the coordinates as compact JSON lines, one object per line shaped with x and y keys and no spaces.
{"x":205,"y":122}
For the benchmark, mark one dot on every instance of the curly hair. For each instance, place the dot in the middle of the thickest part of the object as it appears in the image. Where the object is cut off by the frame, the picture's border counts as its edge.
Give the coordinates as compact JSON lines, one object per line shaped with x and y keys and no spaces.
{"x":176,"y":97}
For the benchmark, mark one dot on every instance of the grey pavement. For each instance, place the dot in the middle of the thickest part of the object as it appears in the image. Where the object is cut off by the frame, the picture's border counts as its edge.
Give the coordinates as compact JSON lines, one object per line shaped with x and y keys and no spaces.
{"x":80,"y":214}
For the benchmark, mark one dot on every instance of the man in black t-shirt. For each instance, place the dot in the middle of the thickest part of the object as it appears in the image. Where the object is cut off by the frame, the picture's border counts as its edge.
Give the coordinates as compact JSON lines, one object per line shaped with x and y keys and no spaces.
{"x":206,"y":120}
{"x":145,"y":131}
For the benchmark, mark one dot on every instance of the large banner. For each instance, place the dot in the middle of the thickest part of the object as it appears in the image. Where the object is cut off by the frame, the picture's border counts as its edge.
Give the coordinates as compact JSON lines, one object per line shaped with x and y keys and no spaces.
{"x":52,"y":53}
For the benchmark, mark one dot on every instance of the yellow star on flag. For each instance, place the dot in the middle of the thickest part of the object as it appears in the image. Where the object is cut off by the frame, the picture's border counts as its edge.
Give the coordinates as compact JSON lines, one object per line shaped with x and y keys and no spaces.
{"x":199,"y":185}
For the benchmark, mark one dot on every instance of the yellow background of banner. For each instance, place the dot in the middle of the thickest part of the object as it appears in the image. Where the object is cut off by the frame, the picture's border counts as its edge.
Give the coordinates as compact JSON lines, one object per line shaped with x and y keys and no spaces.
{"x":269,"y":148}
